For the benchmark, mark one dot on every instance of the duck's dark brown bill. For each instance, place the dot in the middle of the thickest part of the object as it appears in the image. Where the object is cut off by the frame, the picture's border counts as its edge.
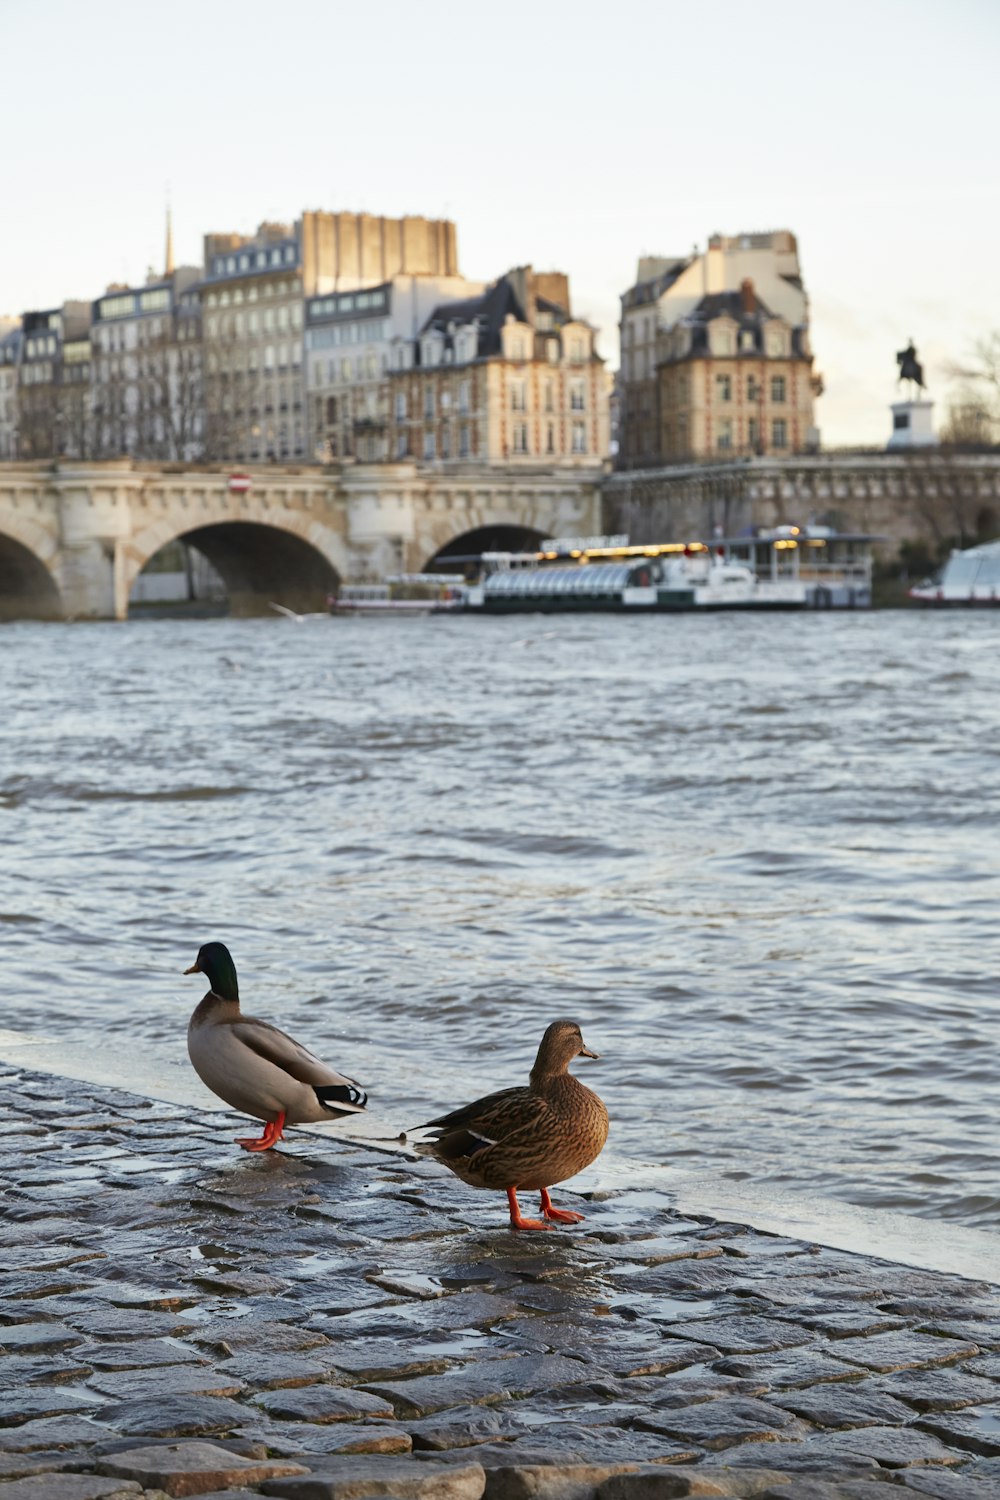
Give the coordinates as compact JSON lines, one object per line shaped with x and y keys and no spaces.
{"x":194,"y":969}
{"x":586,"y":1052}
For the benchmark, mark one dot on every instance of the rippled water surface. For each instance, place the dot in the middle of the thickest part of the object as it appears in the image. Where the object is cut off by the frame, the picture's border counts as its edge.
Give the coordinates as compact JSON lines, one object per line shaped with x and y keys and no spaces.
{"x":757,"y":858}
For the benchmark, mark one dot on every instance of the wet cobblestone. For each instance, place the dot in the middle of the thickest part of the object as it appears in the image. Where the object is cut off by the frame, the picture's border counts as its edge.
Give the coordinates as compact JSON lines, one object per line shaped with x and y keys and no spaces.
{"x":335,"y":1321}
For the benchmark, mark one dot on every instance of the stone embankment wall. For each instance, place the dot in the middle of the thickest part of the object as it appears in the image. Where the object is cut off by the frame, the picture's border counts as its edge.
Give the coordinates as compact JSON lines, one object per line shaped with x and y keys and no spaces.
{"x":936,"y":499}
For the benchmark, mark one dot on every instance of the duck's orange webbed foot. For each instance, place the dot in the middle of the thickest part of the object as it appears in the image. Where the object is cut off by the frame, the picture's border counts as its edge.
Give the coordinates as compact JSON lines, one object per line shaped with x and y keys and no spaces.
{"x":559,"y":1215}
{"x":270,"y":1137}
{"x":516,"y":1221}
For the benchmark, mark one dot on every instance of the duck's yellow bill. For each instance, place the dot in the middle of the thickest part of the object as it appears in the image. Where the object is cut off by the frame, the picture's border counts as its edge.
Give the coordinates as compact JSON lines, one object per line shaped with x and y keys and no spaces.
{"x":583,"y":1052}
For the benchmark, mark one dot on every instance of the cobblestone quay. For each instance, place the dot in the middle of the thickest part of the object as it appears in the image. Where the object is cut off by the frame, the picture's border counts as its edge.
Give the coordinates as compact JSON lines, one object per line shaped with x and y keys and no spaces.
{"x":332,"y":1321}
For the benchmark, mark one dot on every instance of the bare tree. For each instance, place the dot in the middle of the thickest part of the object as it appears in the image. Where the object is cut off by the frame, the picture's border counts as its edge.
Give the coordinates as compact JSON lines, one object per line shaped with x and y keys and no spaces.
{"x":974,"y":410}
{"x":169,"y":395}
{"x":229,"y":414}
{"x":55,"y":420}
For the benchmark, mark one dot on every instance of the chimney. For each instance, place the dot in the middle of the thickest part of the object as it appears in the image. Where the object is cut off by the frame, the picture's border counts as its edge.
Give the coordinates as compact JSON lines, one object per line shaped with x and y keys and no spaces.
{"x":748,"y":296}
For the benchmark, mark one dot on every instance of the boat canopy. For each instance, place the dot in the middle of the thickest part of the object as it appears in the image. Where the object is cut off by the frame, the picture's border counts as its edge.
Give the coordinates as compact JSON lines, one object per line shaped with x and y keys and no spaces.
{"x":978,"y":568}
{"x":596,"y":578}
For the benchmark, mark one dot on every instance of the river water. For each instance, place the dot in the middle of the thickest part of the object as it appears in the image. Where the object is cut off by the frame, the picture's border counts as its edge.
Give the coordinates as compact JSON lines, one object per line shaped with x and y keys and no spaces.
{"x":756,"y":857}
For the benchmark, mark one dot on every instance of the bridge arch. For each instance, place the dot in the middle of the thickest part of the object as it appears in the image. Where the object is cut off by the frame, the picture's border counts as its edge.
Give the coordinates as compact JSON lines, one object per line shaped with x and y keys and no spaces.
{"x":28,"y":587}
{"x":291,"y":559}
{"x":500,"y":536}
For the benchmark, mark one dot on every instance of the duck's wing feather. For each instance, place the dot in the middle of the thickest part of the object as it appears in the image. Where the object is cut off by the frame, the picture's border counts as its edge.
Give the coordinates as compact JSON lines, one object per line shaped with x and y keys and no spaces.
{"x":493,"y":1117}
{"x":298,"y":1062}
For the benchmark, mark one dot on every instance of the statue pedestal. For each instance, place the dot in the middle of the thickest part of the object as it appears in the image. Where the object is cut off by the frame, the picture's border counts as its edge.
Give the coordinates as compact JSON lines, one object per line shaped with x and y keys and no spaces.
{"x":912,"y":425}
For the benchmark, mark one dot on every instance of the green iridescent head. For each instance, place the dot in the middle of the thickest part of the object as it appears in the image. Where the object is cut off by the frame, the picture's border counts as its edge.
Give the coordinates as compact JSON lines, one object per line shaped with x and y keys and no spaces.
{"x":216,"y":963}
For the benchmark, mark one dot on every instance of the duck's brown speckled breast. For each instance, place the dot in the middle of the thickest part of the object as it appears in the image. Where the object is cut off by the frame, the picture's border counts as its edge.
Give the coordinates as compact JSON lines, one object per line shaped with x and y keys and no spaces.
{"x":573,"y":1137}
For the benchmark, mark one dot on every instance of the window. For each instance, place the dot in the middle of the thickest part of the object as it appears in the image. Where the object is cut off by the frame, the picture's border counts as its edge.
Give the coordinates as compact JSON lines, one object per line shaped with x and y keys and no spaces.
{"x":753,"y":388}
{"x":463,"y":396}
{"x":776,"y":345}
{"x":430,"y":449}
{"x":550,"y":401}
{"x":577,"y":395}
{"x":517,"y":348}
{"x":550,"y":438}
{"x":463,"y":440}
{"x":428,"y":405}
{"x":777,"y":388}
{"x":723,"y":387}
{"x":446,"y":442}
{"x":725,"y":438}
{"x":753,"y":435}
{"x":552,"y":351}
{"x":518,"y":396}
{"x":577,"y":353}
{"x":402,"y":445}
{"x":747,"y":339}
{"x":520,"y":437}
{"x":779,"y":433}
{"x":579,"y":437}
{"x":400,"y":406}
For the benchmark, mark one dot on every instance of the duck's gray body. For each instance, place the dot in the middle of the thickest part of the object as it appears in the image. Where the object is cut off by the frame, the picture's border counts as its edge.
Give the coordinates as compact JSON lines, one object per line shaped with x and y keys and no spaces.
{"x":262,"y":1072}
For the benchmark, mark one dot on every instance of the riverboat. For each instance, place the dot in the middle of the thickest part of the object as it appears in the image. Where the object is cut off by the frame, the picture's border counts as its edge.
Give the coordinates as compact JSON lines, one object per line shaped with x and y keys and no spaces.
{"x":404,"y":594}
{"x":969,"y":578}
{"x":789,"y":568}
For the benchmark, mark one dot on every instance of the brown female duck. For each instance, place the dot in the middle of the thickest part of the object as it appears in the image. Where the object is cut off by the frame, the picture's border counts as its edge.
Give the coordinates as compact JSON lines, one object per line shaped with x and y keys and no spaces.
{"x":528,"y":1137}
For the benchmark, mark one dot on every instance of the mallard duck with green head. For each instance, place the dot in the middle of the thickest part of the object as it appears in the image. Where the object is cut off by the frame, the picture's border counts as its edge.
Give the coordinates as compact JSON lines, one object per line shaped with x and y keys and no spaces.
{"x":531,"y":1137}
{"x":255,"y":1067}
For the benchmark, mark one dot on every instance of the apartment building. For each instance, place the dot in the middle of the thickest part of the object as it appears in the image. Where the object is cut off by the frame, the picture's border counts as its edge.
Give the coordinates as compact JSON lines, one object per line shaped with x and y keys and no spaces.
{"x":10,"y":356}
{"x":253,"y":300}
{"x":507,"y":376}
{"x":715,"y":354}
{"x":53,"y":385}
{"x":349,"y":338}
{"x":146,"y":382}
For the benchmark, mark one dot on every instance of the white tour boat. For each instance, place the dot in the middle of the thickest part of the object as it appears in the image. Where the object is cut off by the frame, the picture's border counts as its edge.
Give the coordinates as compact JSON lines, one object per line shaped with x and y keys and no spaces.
{"x":971,"y":577}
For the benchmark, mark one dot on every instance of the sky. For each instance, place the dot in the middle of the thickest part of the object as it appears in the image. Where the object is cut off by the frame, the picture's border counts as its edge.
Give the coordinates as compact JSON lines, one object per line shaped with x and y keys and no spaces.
{"x":572,"y":137}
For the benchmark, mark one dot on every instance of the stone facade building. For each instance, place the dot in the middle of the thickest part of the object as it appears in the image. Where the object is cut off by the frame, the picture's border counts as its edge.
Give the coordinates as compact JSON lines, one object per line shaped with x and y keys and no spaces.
{"x":252,"y":306}
{"x":253,"y":299}
{"x":348,"y":340}
{"x":509,"y":376}
{"x":53,"y":386}
{"x":146,"y":372}
{"x":715,"y":355}
{"x":10,"y":358}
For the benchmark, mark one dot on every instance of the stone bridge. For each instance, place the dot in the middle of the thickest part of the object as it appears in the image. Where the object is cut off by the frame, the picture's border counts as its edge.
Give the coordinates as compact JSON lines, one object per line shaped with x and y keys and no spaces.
{"x":75,"y":536}
{"x":932,"y":497}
